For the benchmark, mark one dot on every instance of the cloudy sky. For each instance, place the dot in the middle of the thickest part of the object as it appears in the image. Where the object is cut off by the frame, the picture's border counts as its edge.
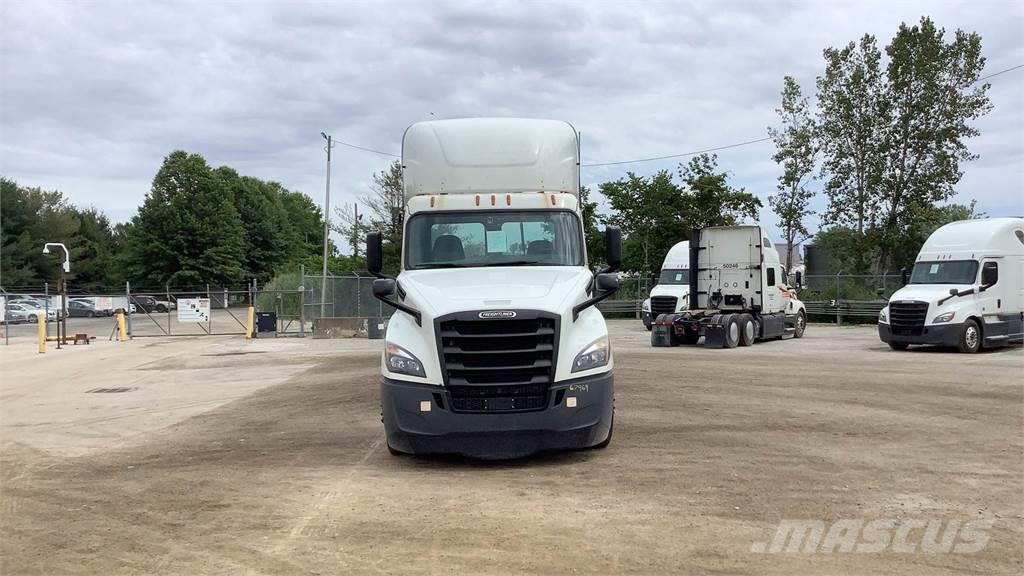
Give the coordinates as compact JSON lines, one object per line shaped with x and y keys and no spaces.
{"x":94,"y":94}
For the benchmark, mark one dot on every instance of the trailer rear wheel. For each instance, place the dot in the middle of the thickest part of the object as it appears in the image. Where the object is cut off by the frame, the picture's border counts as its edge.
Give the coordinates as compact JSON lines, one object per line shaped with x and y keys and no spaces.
{"x":732,"y":330}
{"x":746,"y":322}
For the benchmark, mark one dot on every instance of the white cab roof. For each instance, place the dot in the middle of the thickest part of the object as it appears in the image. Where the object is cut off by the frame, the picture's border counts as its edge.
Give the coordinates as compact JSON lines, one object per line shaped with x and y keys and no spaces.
{"x":678,"y":257}
{"x":490,"y":155}
{"x":971,"y":239}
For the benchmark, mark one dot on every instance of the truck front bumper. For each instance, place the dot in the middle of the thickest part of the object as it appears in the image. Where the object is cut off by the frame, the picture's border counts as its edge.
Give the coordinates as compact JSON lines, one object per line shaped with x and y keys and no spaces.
{"x":418,"y":419}
{"x":936,"y":335}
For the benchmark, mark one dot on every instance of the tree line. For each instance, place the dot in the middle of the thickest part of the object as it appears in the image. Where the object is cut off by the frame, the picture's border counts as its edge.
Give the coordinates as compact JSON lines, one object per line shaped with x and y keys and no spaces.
{"x":884,"y":145}
{"x":198,"y":225}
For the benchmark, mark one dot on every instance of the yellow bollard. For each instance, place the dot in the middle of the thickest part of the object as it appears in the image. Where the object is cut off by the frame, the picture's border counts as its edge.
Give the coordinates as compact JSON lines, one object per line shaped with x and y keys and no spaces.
{"x":42,"y":333}
{"x":122,"y":333}
{"x":251,"y":323}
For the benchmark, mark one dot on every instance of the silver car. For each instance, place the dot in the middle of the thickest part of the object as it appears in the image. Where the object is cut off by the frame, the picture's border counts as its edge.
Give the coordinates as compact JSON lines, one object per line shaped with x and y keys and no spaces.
{"x":18,"y":313}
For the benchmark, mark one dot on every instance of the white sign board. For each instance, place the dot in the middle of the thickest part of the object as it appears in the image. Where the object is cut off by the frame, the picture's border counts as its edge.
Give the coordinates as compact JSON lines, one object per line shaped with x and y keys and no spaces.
{"x":193,"y":310}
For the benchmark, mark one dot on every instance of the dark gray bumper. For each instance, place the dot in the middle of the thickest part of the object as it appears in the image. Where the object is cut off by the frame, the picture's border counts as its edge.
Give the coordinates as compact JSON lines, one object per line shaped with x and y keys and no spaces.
{"x":940,"y":335}
{"x":496,"y":434}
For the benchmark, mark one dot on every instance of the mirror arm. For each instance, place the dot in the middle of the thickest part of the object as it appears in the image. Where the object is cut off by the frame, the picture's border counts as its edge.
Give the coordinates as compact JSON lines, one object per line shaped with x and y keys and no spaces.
{"x":590,"y":302}
{"x":416,"y":314}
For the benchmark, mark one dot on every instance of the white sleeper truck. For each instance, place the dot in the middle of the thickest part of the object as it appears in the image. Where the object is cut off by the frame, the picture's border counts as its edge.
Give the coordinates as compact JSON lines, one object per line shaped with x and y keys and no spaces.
{"x":738,"y":293}
{"x":966,"y":289}
{"x":670,"y":293}
{"x":496,"y":348}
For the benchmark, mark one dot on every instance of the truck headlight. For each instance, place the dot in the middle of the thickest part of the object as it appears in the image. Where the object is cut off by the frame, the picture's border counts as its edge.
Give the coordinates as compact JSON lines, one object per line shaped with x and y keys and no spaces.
{"x":942,"y":318}
{"x":883,"y":318}
{"x":593,"y":356}
{"x":401,"y":361}
{"x":647,"y":305}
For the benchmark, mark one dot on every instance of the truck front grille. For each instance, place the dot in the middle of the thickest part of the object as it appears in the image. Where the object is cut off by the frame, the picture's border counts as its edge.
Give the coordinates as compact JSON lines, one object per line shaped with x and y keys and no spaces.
{"x":663,"y":305}
{"x":498,"y":364}
{"x":907,"y":318}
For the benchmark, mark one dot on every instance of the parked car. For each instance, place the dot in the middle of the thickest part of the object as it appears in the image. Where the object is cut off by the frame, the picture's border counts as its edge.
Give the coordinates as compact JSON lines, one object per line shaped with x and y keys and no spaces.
{"x":84,"y":308}
{"x":152,"y":304}
{"x":18,"y":313}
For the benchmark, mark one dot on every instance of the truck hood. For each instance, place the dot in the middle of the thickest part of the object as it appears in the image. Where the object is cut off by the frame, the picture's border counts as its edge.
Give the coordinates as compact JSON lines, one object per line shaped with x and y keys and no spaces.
{"x":443,"y":291}
{"x":930,"y":293}
{"x":677,"y":290}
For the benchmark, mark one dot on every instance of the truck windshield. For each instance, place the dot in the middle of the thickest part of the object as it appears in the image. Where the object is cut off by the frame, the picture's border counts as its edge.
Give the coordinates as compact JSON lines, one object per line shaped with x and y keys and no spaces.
{"x":493,"y":238}
{"x":945,"y":272}
{"x":674,"y":276}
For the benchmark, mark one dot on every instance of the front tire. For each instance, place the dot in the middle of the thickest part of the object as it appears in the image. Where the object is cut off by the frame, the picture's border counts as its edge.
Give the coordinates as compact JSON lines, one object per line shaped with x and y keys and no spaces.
{"x":970,"y":337}
{"x":801,"y":325}
{"x":898,"y":345}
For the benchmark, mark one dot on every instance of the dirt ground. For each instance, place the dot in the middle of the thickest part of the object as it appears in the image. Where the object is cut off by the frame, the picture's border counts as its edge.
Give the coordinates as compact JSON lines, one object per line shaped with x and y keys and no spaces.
{"x":216,"y":456}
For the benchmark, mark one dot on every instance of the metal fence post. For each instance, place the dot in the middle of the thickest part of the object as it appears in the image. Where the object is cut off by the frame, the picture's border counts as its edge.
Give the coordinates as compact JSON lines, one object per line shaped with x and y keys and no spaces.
{"x":839,"y":314}
{"x":167,"y":294}
{"x":128,"y":307}
{"x":209,"y":319}
{"x":46,"y":308}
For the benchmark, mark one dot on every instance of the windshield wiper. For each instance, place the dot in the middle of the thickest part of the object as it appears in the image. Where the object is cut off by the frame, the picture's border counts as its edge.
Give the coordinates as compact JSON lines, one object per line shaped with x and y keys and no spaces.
{"x":442,"y":265}
{"x":515,"y":263}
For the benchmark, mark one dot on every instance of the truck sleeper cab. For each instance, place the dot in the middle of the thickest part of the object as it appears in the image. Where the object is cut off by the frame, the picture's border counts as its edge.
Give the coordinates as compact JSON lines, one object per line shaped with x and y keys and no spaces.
{"x":737,"y":295}
{"x":496,"y":349}
{"x":966,"y":289}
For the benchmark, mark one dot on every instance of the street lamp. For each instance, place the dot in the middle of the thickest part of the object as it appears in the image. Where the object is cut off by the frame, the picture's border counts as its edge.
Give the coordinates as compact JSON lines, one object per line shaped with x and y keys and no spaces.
{"x":62,"y":331}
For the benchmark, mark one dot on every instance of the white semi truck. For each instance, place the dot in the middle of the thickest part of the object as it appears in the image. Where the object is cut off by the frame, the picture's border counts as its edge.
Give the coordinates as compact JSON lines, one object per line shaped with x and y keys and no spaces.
{"x":966,"y":289}
{"x":669,"y":294}
{"x":738,"y":293}
{"x":496,"y":348}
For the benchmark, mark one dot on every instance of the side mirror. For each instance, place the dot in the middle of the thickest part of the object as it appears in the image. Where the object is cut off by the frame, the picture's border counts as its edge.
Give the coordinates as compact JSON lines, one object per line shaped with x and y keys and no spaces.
{"x":799,"y":280}
{"x":607,"y":282}
{"x":384,"y":287}
{"x":613,"y":247}
{"x":903,"y":276}
{"x":374,"y":251}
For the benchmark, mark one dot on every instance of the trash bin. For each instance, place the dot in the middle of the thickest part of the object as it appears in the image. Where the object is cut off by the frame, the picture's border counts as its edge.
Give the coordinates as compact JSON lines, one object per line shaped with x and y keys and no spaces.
{"x":266,"y":325}
{"x":375,"y":328}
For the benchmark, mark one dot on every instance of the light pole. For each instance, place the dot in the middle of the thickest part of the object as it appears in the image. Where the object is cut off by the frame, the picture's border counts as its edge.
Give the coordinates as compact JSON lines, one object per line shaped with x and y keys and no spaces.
{"x":327,"y":219}
{"x":62,"y":331}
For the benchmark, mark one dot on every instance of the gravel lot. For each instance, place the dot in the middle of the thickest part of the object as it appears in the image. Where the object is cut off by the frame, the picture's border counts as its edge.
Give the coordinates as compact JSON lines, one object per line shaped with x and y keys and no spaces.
{"x":216,"y":456}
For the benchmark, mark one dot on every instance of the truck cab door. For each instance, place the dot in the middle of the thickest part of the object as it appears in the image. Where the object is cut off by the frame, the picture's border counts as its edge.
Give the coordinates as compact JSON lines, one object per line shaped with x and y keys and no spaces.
{"x":992,"y":303}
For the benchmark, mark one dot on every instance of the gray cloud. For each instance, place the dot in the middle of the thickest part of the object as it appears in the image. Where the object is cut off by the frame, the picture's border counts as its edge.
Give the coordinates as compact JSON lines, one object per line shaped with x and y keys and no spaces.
{"x":93,"y":95}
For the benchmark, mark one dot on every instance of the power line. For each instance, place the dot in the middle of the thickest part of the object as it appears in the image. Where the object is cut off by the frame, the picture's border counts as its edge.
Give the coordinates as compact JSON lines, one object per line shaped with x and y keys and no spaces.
{"x":1010,"y":69}
{"x":667,"y":156}
{"x":694,"y":153}
{"x":365,"y":149}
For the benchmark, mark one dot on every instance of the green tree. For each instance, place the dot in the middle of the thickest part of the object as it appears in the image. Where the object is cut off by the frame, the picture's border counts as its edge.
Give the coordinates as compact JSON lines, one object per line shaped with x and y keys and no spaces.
{"x":187,"y":231}
{"x":385,"y":213}
{"x":852,"y":114}
{"x":649,"y":210}
{"x":92,"y":252}
{"x":933,"y":100}
{"x":593,"y":235}
{"x":893,"y":144}
{"x":268,"y":231}
{"x":29,"y":218}
{"x":795,"y":151}
{"x":709,"y":200}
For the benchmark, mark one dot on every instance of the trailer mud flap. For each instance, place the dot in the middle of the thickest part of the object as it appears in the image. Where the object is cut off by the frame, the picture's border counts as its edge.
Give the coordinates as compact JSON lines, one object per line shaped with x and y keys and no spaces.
{"x":661,"y":333}
{"x":714,"y":333}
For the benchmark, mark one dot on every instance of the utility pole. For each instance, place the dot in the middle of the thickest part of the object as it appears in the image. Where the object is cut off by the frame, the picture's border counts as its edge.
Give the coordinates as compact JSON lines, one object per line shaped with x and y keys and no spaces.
{"x":327,"y":227}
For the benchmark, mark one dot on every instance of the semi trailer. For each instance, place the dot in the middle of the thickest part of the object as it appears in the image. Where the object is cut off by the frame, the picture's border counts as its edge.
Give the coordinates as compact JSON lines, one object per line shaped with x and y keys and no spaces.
{"x":495,"y":349}
{"x":738,"y":293}
{"x":670,"y":293}
{"x":966,"y":289}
